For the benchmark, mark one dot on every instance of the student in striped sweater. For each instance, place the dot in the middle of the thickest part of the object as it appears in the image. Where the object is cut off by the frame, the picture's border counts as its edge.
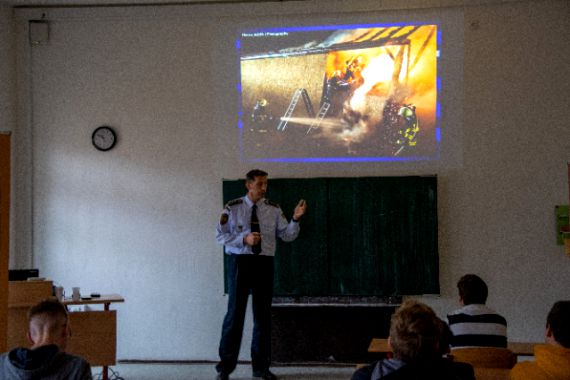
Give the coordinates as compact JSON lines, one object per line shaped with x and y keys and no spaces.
{"x":474,"y":324}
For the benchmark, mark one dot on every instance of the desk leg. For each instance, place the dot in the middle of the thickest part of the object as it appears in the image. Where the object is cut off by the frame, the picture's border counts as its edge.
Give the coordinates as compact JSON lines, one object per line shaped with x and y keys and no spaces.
{"x":105,"y":368}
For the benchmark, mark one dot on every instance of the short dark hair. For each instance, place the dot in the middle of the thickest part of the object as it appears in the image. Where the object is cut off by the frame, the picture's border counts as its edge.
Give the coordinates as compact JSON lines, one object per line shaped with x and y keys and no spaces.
{"x":415,"y":332}
{"x":250,"y":176}
{"x":472,"y":289}
{"x":559,"y":322}
{"x":49,"y":307}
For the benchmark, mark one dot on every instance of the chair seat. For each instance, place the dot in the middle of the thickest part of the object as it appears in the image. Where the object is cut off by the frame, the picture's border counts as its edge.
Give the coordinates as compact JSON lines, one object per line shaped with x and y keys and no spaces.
{"x":485,"y":357}
{"x":492,"y":373}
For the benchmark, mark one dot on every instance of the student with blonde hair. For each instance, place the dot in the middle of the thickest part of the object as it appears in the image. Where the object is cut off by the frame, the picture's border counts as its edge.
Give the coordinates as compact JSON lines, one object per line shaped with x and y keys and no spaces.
{"x":415,"y":339}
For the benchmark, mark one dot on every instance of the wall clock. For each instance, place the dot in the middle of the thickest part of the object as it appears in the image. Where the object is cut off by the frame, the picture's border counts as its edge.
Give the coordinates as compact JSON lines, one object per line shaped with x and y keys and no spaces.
{"x":104,"y":138}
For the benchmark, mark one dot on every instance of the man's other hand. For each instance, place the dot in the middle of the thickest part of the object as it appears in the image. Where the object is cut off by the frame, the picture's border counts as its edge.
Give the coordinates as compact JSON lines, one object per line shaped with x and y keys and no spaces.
{"x":300,"y":209}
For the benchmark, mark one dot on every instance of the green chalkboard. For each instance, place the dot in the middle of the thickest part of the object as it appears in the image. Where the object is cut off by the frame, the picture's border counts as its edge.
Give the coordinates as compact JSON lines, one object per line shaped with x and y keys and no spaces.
{"x":366,"y":236}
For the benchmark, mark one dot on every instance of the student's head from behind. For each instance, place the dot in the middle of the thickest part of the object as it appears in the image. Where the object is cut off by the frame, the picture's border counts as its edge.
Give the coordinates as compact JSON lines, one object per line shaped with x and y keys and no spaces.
{"x":558,"y":324}
{"x":472,"y":290}
{"x":47,"y":324}
{"x":415,"y":333}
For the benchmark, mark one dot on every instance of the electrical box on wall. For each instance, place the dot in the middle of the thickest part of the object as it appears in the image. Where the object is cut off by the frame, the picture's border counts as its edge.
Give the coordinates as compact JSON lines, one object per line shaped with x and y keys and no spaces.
{"x":38,"y":32}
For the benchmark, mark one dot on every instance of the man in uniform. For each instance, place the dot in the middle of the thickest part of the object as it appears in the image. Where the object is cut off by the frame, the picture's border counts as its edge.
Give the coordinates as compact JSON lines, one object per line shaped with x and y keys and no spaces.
{"x":248,"y":229}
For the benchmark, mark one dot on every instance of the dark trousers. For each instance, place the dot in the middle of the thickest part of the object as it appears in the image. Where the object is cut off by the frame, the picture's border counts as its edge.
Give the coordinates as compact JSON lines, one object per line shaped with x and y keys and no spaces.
{"x":247,"y":274}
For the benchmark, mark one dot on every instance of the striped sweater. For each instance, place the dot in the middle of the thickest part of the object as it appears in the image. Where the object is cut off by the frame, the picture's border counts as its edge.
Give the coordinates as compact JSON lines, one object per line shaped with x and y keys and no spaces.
{"x":476,"y":325}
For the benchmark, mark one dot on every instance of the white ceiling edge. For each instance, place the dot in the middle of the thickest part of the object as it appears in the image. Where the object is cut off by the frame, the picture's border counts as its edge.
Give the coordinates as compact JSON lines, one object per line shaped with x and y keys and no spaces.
{"x":64,"y":3}
{"x":387,"y":4}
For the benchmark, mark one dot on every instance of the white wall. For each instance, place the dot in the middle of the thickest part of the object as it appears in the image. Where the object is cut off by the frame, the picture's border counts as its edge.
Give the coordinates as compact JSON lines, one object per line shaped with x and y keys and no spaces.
{"x":139,"y":220}
{"x":8,"y":85}
{"x":7,"y":70}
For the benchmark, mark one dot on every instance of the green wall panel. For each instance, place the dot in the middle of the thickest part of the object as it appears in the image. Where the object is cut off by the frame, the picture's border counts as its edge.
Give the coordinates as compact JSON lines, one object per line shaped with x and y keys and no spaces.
{"x":368,"y":236}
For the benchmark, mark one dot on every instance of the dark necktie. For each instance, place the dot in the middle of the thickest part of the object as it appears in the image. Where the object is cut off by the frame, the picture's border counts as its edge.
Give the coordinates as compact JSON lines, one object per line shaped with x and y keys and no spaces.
{"x":256,"y":249}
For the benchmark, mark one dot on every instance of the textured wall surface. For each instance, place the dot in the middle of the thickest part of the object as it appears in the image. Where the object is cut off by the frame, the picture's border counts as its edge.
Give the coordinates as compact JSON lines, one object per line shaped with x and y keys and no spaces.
{"x":139,"y":220}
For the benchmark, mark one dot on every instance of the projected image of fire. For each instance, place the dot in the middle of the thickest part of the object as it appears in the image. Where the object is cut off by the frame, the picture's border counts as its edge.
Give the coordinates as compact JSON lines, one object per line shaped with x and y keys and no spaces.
{"x":375,"y":100}
{"x":370,"y":102}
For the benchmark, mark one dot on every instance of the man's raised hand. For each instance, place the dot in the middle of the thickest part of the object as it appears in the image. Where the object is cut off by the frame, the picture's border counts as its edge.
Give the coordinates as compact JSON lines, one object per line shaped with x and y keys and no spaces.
{"x":300,"y":209}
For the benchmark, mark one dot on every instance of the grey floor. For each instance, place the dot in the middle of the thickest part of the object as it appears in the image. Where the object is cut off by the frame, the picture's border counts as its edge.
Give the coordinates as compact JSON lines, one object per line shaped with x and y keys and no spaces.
{"x":207,"y":372}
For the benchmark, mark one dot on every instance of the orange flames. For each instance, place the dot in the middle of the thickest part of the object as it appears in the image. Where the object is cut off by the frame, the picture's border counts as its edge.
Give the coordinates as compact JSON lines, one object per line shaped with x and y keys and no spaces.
{"x":379,"y":71}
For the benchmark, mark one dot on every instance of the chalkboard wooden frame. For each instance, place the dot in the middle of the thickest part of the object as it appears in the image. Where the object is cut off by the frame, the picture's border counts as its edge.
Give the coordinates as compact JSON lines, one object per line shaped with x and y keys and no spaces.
{"x":364,"y":236}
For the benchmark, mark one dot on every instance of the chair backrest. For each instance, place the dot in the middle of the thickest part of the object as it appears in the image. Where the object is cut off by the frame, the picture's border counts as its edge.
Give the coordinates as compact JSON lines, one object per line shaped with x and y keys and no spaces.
{"x":485,"y":357}
{"x":492,"y":373}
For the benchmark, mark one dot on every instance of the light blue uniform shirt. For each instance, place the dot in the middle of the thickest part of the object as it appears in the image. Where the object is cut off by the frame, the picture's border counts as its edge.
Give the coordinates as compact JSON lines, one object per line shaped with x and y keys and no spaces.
{"x":235,"y":221}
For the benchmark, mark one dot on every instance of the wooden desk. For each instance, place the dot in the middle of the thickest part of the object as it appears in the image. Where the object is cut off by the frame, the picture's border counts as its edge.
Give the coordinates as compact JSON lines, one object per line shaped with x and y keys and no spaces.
{"x":380,"y":345}
{"x":93,"y":332}
{"x":105,"y":300}
{"x":21,"y":296}
{"x":522,"y":348}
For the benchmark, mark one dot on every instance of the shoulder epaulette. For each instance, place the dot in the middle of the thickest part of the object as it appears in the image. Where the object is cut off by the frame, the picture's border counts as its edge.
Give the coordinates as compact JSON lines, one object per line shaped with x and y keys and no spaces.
{"x":268,"y":202}
{"x":234,"y":202}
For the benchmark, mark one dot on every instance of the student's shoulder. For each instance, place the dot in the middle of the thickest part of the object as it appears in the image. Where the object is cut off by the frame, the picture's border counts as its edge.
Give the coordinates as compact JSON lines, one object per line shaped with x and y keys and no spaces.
{"x":363,"y":373}
{"x":75,"y":366}
{"x":71,"y":358}
{"x":526,"y":370}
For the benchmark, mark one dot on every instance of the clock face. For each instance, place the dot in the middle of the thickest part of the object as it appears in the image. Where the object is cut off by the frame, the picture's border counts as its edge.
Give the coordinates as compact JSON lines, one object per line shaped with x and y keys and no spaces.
{"x":104,"y":138}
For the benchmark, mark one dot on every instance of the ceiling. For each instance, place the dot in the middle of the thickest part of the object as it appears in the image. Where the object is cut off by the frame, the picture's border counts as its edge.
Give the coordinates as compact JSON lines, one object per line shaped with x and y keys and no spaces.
{"x":81,"y":3}
{"x":385,"y":4}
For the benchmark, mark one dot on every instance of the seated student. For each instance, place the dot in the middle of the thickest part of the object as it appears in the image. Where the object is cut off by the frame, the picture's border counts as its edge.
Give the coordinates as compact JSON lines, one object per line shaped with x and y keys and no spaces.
{"x":463,"y":370}
{"x":415,"y":334}
{"x":552,"y":360}
{"x":46,"y":359}
{"x":476,"y":325}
